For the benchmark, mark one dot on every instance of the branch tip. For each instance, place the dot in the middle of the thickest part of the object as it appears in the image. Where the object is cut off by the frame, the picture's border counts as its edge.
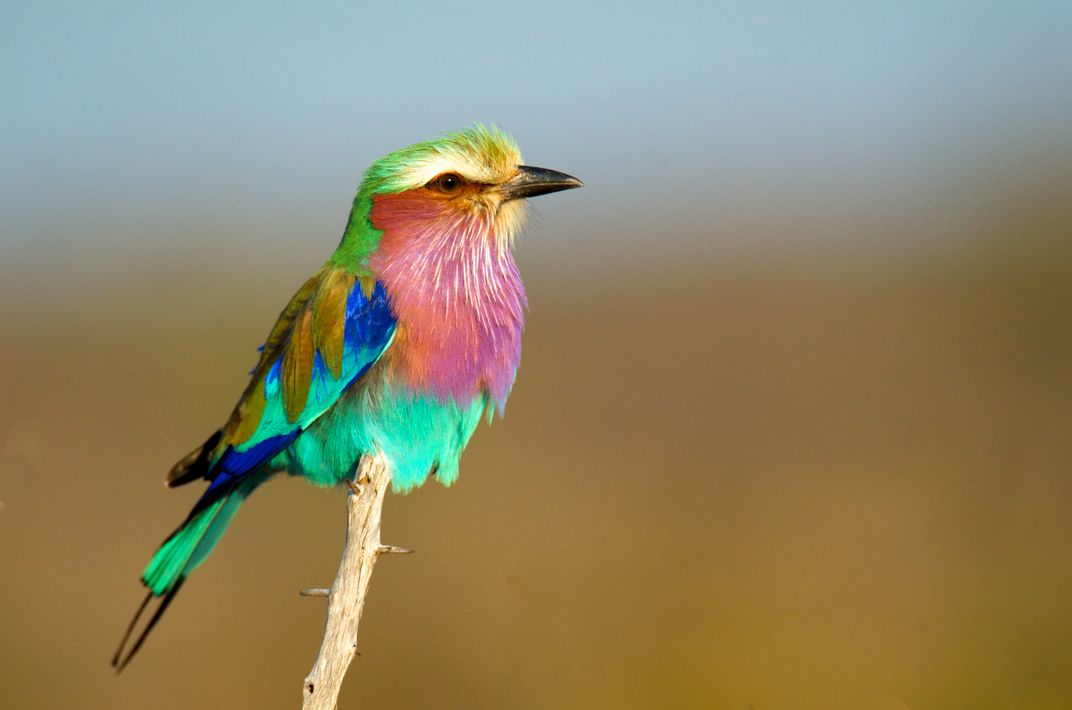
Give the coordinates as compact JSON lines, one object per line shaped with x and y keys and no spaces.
{"x":315,"y":592}
{"x":393,"y":550}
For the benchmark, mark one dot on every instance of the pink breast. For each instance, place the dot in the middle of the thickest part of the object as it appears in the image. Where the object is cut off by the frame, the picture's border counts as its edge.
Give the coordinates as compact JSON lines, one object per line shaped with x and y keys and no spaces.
{"x":456,"y":292}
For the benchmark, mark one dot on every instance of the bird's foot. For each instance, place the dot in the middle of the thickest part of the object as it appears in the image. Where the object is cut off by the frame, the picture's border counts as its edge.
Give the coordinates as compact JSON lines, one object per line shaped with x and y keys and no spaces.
{"x":355,"y":483}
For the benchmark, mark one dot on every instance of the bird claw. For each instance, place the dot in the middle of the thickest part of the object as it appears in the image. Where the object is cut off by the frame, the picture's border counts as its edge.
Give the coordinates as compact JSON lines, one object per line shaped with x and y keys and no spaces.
{"x":360,"y":477}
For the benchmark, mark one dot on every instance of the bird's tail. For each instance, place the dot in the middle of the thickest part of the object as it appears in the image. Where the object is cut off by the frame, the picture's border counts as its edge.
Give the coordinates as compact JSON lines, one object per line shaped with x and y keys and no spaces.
{"x":180,"y":554}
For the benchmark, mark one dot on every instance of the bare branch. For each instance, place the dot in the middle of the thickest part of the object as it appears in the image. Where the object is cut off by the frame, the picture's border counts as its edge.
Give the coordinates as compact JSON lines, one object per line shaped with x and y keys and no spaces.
{"x":346,"y":598}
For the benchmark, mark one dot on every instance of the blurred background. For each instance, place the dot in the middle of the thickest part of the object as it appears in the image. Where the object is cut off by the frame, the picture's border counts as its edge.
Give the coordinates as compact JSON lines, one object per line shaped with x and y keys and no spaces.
{"x":792,"y":428}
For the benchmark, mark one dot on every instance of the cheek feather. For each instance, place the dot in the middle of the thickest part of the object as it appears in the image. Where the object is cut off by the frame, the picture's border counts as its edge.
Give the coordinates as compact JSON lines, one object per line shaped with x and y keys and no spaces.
{"x":509,"y":220}
{"x":431,"y":218}
{"x":407,"y":212}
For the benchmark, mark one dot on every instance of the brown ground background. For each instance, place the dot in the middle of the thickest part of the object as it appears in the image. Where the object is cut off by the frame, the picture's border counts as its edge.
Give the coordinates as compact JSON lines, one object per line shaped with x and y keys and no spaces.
{"x":810,"y":477}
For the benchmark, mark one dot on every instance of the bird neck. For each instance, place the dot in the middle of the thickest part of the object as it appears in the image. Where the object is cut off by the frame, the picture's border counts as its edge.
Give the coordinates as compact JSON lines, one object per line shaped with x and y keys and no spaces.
{"x":359,"y":238}
{"x":454,"y":286}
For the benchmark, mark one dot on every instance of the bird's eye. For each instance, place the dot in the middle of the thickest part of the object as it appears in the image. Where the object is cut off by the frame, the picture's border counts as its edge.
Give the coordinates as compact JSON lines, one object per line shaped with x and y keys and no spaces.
{"x":447,"y":183}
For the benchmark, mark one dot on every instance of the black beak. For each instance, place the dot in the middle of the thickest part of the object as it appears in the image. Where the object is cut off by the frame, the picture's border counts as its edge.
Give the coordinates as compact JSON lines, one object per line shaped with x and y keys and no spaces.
{"x":531,"y":181}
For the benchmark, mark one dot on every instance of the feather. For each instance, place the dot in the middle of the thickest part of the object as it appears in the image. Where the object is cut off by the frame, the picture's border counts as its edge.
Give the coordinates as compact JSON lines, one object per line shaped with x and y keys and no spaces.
{"x":195,"y":464}
{"x":298,"y":366}
{"x":329,"y":320}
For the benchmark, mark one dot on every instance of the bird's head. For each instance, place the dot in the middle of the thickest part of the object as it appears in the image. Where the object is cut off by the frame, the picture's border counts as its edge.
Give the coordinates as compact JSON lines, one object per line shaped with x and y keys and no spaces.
{"x":472,"y":182}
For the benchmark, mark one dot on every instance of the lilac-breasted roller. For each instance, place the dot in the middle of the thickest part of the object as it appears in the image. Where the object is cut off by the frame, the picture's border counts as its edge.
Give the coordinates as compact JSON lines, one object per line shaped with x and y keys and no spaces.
{"x":398,"y":346}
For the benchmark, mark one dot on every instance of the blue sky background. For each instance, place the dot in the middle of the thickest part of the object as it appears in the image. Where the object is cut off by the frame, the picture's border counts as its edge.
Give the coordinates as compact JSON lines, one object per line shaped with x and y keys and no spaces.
{"x":145,"y":132}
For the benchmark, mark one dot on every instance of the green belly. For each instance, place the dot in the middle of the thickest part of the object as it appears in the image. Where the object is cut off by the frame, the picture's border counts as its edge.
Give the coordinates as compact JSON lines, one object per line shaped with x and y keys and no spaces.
{"x":416,"y":433}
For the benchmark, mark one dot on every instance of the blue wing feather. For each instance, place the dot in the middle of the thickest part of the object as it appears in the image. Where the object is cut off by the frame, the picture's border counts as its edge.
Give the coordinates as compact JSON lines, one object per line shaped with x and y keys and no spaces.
{"x":368,"y":330}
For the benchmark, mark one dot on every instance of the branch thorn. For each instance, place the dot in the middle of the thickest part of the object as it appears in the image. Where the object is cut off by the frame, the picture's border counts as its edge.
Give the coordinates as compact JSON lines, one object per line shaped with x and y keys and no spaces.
{"x":393,"y":550}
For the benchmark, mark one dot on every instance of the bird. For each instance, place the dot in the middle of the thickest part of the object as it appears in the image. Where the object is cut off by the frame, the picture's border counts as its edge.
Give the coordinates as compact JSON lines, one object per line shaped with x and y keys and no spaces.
{"x":398,"y":347}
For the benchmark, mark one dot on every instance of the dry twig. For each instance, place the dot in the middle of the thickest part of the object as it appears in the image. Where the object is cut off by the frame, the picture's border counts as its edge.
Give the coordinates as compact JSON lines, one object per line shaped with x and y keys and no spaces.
{"x":346,"y":598}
